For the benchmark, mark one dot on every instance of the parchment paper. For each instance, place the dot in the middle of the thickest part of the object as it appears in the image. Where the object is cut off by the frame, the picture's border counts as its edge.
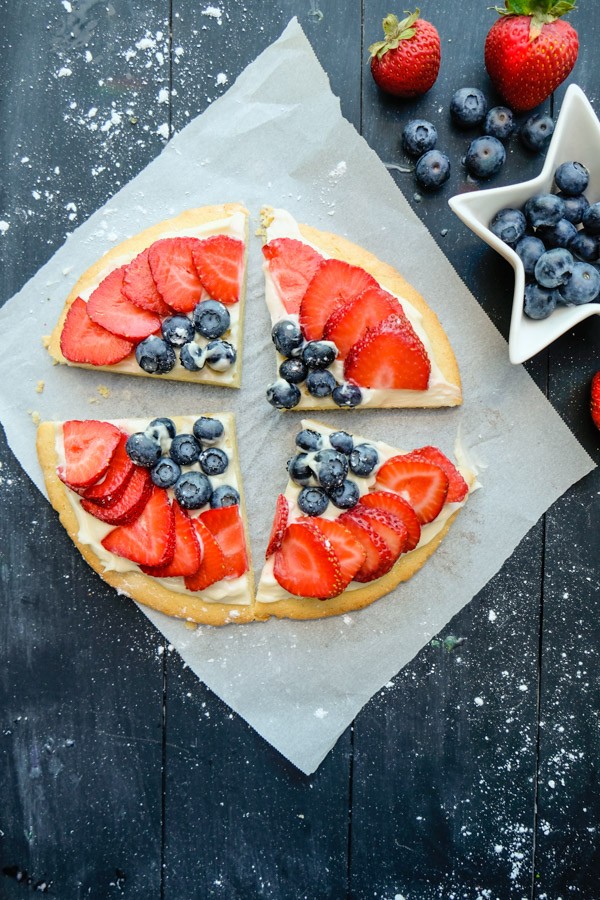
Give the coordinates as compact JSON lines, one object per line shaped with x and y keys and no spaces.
{"x":278,"y":137}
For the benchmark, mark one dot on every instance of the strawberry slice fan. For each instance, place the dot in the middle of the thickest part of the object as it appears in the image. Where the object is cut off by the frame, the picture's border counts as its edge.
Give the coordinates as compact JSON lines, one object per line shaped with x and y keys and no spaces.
{"x":174,"y":308}
{"x":348,"y":329}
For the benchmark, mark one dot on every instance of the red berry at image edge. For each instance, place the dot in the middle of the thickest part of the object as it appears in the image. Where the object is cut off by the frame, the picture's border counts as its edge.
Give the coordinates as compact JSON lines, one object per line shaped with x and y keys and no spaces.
{"x":595,"y":400}
{"x":406,"y":63}
{"x":530,"y":50}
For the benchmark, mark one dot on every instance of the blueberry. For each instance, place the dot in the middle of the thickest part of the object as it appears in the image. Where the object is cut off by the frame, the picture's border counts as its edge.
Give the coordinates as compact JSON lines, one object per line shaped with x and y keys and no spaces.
{"x":165,"y":473}
{"x":211,"y":318}
{"x":308,"y":440}
{"x":313,"y":501}
{"x":529,"y":249}
{"x":177,"y":330}
{"x":418,"y":137}
{"x":591,"y":219}
{"x":346,"y":495}
{"x":539,"y":301}
{"x":185,"y":449}
{"x":509,"y":225}
{"x":347,"y":395}
{"x":287,"y":337}
{"x":161,"y":429}
{"x":544,"y":209}
{"x":584,"y":246}
{"x":192,"y":356}
{"x":433,"y":169}
{"x":583,"y":286}
{"x":554,"y":267}
{"x":320,"y":382}
{"x":499,"y":123}
{"x":485,"y":157}
{"x":319,"y":354}
{"x":332,"y":468}
{"x":224,"y":495}
{"x":557,"y":235}
{"x":300,"y":471}
{"x":363,"y":459}
{"x":468,"y":107}
{"x":213,"y":461}
{"x":220,"y":355}
{"x":342,"y":441}
{"x":155,"y":356}
{"x":282,"y":395}
{"x":193,"y":490}
{"x":293,"y":370}
{"x":572,"y":178}
{"x":142,"y":450}
{"x":208,"y":431}
{"x":536,"y":132}
{"x":575,"y":207}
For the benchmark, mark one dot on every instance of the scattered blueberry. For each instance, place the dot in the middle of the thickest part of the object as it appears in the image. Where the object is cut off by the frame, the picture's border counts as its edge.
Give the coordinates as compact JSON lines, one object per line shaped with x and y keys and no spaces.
{"x":177,"y":330}
{"x":575,"y":207}
{"x":220,"y":355}
{"x":161,"y":429}
{"x":485,"y":157}
{"x":165,"y":473}
{"x":342,"y":441}
{"x":509,"y":225}
{"x":499,"y":123}
{"x":211,"y":319}
{"x":583,"y":286}
{"x":536,"y":132}
{"x":433,"y":169}
{"x":468,"y":107}
{"x":287,"y":337}
{"x":293,"y":370}
{"x":319,"y":354}
{"x":193,"y":490}
{"x":308,"y":440}
{"x":539,"y":301}
{"x":572,"y":178}
{"x":185,"y":449}
{"x":347,"y":395}
{"x":529,"y":249}
{"x":554,"y":267}
{"x":142,"y":450}
{"x":208,"y":431}
{"x":192,"y":357}
{"x":213,"y":461}
{"x":300,"y":471}
{"x":313,"y":501}
{"x":544,"y":209}
{"x":155,"y":356}
{"x":224,"y":495}
{"x":557,"y":235}
{"x":332,"y":468}
{"x":283,"y":395}
{"x":320,"y":383}
{"x":584,"y":246}
{"x":418,"y":137}
{"x":346,"y":495}
{"x":591,"y":219}
{"x":363,"y":459}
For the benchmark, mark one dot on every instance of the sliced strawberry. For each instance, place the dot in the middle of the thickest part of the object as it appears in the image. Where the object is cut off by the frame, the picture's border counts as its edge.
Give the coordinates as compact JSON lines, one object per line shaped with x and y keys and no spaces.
{"x":292,"y":265}
{"x":349,"y":323}
{"x":422,"y":484}
{"x":89,"y":448}
{"x":150,"y":540}
{"x":139,"y":286}
{"x":457,"y":486}
{"x":378,"y":558}
{"x":83,"y":341}
{"x":399,"y":507}
{"x":389,"y":356}
{"x":212,"y":568}
{"x":188,"y":551}
{"x":109,"y":307}
{"x":390,"y":527}
{"x":225,"y":524}
{"x":130,"y":504}
{"x":595,"y":400}
{"x":350,"y":553}
{"x":220,"y":263}
{"x":174,"y":272}
{"x":279,"y":525}
{"x":112,"y":487}
{"x":306,"y":565}
{"x":333,"y":284}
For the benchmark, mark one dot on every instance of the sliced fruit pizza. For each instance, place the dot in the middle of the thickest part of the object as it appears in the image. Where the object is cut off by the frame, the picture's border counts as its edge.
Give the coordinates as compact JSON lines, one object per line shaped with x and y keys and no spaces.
{"x":349,"y":331}
{"x":166,"y":303}
{"x":156,"y":508}
{"x":356,"y":519}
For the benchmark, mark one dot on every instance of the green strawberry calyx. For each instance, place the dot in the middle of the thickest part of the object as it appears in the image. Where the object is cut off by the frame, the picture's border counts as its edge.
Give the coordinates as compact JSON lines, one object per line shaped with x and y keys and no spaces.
{"x":395,"y":32}
{"x":541,"y":12}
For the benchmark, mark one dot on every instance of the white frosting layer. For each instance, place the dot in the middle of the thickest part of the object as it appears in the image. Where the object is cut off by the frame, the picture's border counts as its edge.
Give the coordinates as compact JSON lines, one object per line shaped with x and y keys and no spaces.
{"x":439,"y":391}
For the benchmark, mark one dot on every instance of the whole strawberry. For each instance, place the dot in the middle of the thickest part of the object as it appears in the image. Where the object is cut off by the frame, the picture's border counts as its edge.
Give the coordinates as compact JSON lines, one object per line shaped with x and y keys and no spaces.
{"x":595,"y":400}
{"x":529,"y":51}
{"x":406,"y":63}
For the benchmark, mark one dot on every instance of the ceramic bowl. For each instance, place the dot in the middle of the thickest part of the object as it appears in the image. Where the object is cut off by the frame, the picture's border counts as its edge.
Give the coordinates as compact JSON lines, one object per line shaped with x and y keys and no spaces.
{"x":576,"y":137}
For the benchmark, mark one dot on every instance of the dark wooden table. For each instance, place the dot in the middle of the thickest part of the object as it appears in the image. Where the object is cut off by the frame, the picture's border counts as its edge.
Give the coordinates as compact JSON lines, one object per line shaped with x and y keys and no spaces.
{"x":121,"y":773}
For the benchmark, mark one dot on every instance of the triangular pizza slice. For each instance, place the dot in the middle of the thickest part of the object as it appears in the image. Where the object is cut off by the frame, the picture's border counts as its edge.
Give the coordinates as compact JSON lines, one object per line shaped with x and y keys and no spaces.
{"x":156,"y":507}
{"x":357,"y":518}
{"x":348,"y":330}
{"x":166,"y":303}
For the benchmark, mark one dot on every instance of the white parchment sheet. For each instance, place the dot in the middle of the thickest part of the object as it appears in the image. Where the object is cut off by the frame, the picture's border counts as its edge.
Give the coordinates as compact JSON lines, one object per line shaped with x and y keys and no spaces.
{"x":278,"y":137}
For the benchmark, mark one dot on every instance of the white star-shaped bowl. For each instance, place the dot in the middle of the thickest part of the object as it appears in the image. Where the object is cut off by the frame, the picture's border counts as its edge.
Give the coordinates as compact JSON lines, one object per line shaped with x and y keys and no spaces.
{"x":576,"y":137}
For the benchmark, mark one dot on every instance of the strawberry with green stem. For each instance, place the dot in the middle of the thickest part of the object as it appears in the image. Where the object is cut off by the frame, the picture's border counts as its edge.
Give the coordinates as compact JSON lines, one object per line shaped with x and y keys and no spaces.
{"x":406,"y":63}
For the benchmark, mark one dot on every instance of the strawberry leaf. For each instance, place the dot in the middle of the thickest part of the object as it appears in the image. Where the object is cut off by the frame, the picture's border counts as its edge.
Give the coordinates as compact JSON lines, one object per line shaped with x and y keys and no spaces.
{"x":394,"y":32}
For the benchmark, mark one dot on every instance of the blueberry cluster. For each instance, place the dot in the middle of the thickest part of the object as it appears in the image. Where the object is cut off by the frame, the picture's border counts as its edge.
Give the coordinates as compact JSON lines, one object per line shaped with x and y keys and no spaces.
{"x":322,"y":471}
{"x":557,"y":237}
{"x":169,"y":457}
{"x":306,"y":362}
{"x":210,"y":319}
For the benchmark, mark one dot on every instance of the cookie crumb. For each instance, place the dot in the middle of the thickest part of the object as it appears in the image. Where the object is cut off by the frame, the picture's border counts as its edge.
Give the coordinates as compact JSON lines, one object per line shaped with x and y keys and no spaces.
{"x":103,"y":390}
{"x":92,"y":399}
{"x":191,"y":625}
{"x":39,"y":387}
{"x":46,"y":340}
{"x":35,"y":416}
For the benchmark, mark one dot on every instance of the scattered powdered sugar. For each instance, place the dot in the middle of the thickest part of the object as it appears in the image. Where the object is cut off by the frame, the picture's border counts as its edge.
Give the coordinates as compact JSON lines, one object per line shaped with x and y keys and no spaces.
{"x":320,"y":713}
{"x":221,"y":78}
{"x":478,"y":701}
{"x":4,"y":226}
{"x":64,"y":72}
{"x":163,"y":130}
{"x":492,"y":616}
{"x":214,"y":12}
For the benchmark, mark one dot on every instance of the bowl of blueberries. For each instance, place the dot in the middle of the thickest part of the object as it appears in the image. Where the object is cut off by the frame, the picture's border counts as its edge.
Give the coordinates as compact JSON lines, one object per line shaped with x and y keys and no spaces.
{"x":549,"y":231}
